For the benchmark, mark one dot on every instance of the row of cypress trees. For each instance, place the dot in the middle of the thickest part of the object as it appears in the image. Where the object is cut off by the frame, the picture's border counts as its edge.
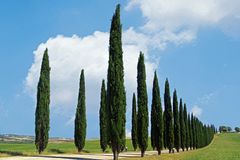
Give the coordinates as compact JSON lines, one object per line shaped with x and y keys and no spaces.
{"x":42,"y":113}
{"x":172,"y":128}
{"x":113,"y":100}
{"x":169,"y":129}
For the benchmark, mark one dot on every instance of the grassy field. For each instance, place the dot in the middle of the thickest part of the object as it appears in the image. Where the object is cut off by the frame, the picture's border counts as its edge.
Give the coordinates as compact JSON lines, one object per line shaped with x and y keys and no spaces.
{"x":223,"y":147}
{"x":92,"y":146}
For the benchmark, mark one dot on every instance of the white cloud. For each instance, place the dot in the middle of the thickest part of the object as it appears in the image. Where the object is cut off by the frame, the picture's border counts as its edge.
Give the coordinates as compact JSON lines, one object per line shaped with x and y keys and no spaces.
{"x":68,"y":55}
{"x":197,"y":111}
{"x":169,"y":21}
{"x":179,"y":21}
{"x":205,"y":99}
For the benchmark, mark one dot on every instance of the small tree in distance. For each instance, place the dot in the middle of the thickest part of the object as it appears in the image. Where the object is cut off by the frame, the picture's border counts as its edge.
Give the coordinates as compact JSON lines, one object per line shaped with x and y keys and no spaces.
{"x":169,"y":137}
{"x":237,"y":129}
{"x":134,"y":123}
{"x":176,"y":122}
{"x":103,"y":118}
{"x":182,"y":126}
{"x":156,"y":117}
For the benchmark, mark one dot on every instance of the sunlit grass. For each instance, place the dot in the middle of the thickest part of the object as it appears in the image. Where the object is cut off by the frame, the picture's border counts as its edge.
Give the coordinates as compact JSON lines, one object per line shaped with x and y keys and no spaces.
{"x":223,"y":147}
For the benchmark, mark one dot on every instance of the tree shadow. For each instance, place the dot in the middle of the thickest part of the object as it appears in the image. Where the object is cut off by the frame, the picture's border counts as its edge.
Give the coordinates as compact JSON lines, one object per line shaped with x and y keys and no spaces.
{"x":11,"y":153}
{"x":85,"y":151}
{"x":64,"y":157}
{"x":58,"y":151}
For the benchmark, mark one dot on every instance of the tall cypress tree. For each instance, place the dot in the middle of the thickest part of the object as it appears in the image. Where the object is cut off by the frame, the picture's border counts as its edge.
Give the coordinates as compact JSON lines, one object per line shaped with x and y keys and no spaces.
{"x":156,"y":117}
{"x":116,"y":96}
{"x":182,"y":126}
{"x":169,"y":137}
{"x":134,"y":123}
{"x":42,"y":110}
{"x":103,"y":118}
{"x":176,"y":122}
{"x":142,"y":115}
{"x":186,"y":126}
{"x":80,"y":118}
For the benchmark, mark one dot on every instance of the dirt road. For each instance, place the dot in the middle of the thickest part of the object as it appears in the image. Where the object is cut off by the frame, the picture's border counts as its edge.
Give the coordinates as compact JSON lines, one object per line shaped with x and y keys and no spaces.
{"x":80,"y":157}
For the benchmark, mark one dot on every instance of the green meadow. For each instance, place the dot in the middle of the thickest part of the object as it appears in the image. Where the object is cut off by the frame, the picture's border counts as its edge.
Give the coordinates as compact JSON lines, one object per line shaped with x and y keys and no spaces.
{"x":27,"y":149}
{"x":224,"y":147}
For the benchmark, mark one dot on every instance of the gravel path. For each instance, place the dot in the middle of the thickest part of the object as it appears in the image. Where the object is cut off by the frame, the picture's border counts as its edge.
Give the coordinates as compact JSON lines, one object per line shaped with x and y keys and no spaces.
{"x":80,"y":157}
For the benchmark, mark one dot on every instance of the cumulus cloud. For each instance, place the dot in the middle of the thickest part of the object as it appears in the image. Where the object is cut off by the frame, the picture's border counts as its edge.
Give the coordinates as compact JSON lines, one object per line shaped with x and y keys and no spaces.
{"x":179,"y":21}
{"x":68,"y":55}
{"x":197,"y":111}
{"x":165,"y":22}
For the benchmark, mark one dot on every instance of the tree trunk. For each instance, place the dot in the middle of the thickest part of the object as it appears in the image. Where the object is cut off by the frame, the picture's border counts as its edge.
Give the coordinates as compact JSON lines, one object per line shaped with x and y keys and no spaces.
{"x":169,"y":150}
{"x":115,"y":155}
{"x":159,"y":152}
{"x":177,"y":150}
{"x":142,"y":153}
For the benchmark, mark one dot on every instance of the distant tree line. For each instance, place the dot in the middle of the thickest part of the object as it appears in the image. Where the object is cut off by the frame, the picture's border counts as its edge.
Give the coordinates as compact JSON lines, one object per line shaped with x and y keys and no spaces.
{"x":223,"y":129}
{"x":174,"y":128}
{"x":171,"y":128}
{"x":237,"y":129}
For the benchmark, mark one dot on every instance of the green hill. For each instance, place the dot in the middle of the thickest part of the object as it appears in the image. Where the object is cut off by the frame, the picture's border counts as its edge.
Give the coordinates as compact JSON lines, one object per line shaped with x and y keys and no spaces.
{"x":224,"y":147}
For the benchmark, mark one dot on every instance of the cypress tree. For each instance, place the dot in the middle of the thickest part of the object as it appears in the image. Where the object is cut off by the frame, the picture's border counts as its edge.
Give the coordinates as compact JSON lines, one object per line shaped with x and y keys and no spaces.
{"x":142,"y":115}
{"x":169,"y":137}
{"x":193,"y":131}
{"x":103,"y":118}
{"x":156,"y":117}
{"x":80,"y":118}
{"x":186,"y":126}
{"x":134,"y":123}
{"x":164,"y":129}
{"x":176,"y":122}
{"x":182,"y":126}
{"x":190,"y":132}
{"x":116,"y":96}
{"x":42,"y":110}
{"x":196,"y":132}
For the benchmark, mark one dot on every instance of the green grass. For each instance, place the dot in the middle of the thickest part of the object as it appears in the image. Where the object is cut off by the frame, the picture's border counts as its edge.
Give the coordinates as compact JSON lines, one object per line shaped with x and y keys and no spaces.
{"x":224,"y":147}
{"x":92,"y":146}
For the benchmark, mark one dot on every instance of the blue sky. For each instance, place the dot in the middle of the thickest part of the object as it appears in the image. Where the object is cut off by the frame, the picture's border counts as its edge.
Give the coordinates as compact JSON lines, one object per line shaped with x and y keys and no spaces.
{"x":198,"y":52}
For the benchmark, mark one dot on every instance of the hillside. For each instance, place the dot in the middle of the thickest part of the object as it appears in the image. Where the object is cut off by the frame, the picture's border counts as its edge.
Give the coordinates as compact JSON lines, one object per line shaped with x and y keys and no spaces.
{"x":224,"y":147}
{"x":13,"y":138}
